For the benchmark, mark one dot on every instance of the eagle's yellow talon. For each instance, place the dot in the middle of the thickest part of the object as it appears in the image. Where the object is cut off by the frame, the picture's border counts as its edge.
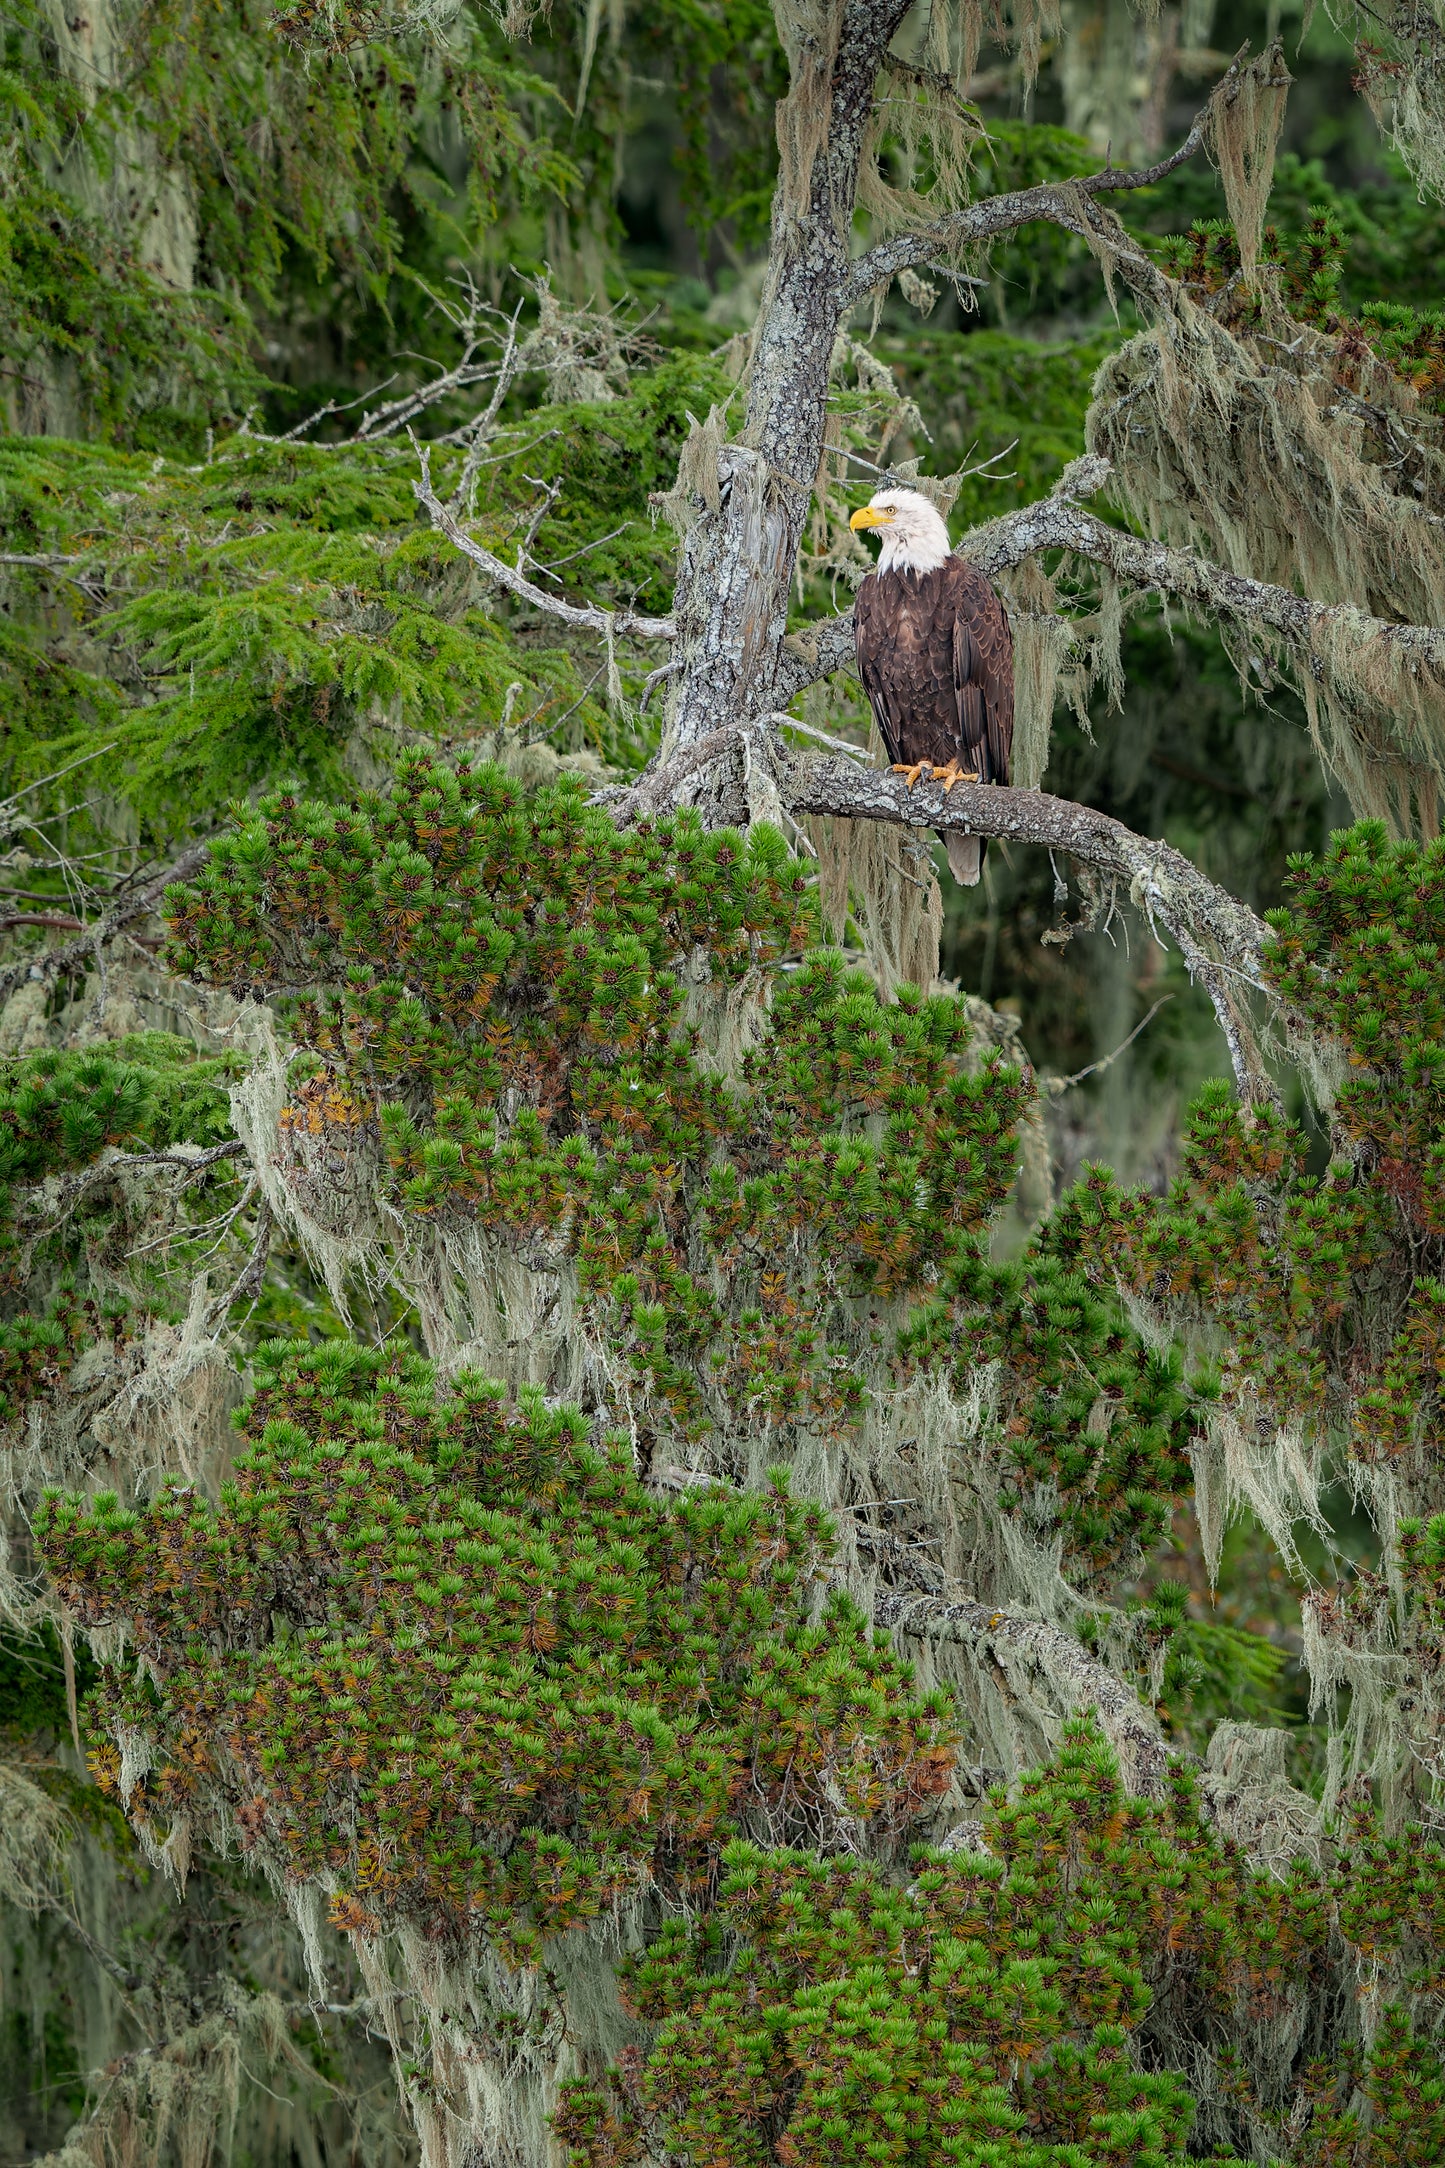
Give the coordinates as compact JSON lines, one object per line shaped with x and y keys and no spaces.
{"x":911,"y":774}
{"x":954,"y":774}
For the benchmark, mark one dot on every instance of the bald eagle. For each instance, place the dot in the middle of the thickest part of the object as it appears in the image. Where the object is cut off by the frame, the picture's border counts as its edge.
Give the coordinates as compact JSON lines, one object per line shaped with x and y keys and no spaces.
{"x":936,"y":658}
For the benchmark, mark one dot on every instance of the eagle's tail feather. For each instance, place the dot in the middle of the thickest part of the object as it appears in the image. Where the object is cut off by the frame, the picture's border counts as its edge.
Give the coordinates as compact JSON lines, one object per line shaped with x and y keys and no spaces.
{"x":965,"y":858}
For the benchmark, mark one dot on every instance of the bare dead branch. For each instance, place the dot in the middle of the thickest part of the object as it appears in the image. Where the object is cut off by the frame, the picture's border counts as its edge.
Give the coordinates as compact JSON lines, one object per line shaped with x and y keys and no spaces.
{"x":47,"y":964}
{"x":248,"y":1283}
{"x":1059,"y":203}
{"x":935,"y":85}
{"x":588,"y":616}
{"x":1054,"y":1087}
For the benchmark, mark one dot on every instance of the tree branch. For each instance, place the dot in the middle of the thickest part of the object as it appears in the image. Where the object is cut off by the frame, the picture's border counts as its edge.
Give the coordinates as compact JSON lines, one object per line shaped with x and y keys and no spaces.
{"x":1219,"y":938}
{"x":1160,"y":879}
{"x":1060,"y":522}
{"x":1143,"y":1756}
{"x":189,"y":1159}
{"x":590,"y":616}
{"x":48,"y":964}
{"x":1059,"y":203}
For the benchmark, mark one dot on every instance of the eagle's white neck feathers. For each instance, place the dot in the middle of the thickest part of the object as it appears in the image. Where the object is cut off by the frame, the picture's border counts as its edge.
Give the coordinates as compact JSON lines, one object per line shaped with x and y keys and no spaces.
{"x":910,"y":530}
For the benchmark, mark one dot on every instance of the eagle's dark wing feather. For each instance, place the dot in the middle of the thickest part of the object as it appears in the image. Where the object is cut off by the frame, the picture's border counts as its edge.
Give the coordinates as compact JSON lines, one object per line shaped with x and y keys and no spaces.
{"x":903,"y":628}
{"x":936,"y":659}
{"x":874,"y":642}
{"x":983,"y":671}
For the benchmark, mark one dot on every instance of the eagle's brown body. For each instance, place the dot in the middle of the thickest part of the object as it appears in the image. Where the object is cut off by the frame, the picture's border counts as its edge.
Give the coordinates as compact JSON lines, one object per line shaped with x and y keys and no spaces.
{"x":936,"y":658}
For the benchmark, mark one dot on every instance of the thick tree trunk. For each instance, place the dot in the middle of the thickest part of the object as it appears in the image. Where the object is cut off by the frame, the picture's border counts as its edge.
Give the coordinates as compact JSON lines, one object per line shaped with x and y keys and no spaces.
{"x":748,"y":510}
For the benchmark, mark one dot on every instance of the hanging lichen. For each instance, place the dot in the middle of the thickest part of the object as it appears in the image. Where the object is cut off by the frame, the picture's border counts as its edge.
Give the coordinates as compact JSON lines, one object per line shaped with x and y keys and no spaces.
{"x":1259,"y":444}
{"x":1402,"y":77}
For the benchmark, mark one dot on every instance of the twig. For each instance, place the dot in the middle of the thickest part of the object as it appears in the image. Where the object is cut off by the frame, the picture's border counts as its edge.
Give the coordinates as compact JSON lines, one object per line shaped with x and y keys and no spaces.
{"x":27,"y":790}
{"x":838,"y":745}
{"x":48,"y":964}
{"x":551,"y":491}
{"x":653,"y":679}
{"x":247,"y":1285}
{"x":189,"y":1159}
{"x":481,"y":430}
{"x":1056,"y":1086}
{"x":590,"y":616}
{"x":554,"y":567}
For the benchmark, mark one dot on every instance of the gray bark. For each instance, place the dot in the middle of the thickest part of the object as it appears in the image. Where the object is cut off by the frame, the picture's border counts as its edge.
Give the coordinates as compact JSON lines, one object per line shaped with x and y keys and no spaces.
{"x":746,"y":515}
{"x":742,"y":544}
{"x":1143,"y":1756}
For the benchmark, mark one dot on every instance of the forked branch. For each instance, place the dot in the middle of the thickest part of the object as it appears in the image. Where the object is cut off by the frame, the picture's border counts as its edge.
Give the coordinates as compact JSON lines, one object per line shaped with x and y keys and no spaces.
{"x":1058,"y":203}
{"x":586,"y":616}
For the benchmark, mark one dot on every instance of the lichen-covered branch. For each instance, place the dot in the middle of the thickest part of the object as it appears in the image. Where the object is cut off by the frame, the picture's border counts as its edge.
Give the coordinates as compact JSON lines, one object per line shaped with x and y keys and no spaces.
{"x":1069,"y":204}
{"x":1056,"y":203}
{"x":1060,"y":522}
{"x":55,"y":1197}
{"x":1159,"y":878}
{"x":1219,"y":937}
{"x":1143,"y":1756}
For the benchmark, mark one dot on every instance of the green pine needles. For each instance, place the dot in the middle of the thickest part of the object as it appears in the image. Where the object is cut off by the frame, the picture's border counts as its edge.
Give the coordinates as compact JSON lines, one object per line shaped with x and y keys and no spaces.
{"x":495,"y":1666}
{"x":67,"y":1280}
{"x":611,"y":1055}
{"x":463,"y":1669}
{"x":1318,"y":1293}
{"x":985,"y":2015}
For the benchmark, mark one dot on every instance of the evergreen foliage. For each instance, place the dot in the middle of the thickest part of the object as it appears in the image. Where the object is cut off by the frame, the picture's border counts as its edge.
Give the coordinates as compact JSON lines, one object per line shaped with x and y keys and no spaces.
{"x":498,"y":991}
{"x":279,"y":609}
{"x":541,"y":1662}
{"x":1315,"y":1290}
{"x":981,"y":2015}
{"x":70,"y":1287}
{"x":265,"y":607}
{"x":509,"y":1684}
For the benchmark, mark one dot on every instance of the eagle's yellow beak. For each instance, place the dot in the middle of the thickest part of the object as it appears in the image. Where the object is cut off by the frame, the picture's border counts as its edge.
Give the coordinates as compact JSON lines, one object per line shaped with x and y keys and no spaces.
{"x":869,"y":515}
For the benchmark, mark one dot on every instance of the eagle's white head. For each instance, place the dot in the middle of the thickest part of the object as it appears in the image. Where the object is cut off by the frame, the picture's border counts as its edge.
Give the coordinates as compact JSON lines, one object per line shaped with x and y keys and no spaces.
{"x":910,"y":529}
